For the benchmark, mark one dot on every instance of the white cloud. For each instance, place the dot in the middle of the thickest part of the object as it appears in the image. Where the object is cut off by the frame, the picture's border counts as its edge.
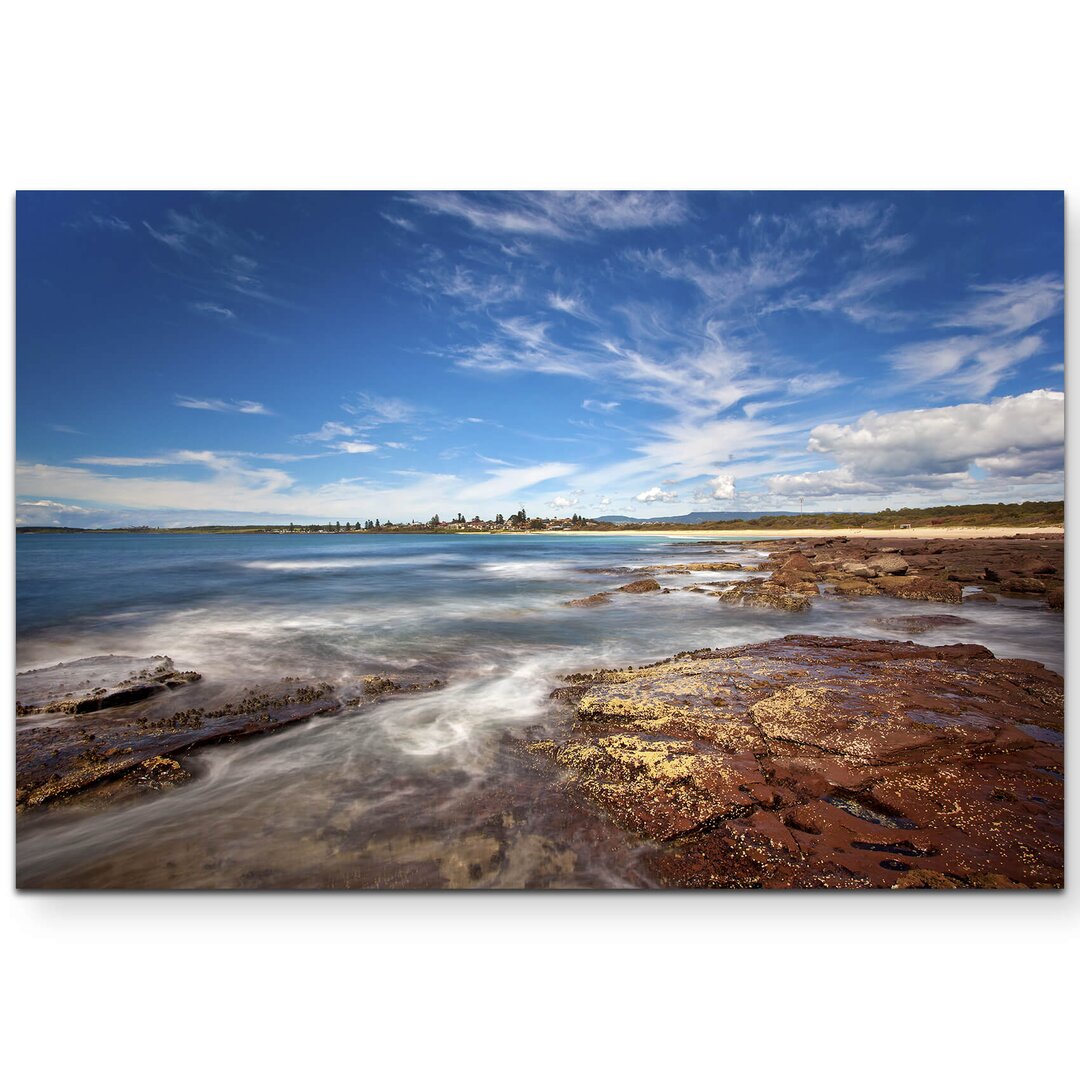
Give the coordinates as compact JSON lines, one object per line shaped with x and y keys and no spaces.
{"x":372,"y":410}
{"x":332,"y":429}
{"x":254,"y":408}
{"x":822,"y":483}
{"x":563,"y":502}
{"x":1009,"y":308}
{"x":356,"y":447}
{"x":656,"y":494}
{"x":205,"y":307}
{"x":229,"y":487}
{"x":125,"y":462}
{"x":468,"y":287}
{"x":29,"y":512}
{"x":400,"y":222}
{"x":1021,"y":437}
{"x":504,"y":482}
{"x":723,"y":486}
{"x":105,"y":222}
{"x":568,"y":305}
{"x":589,"y":405}
{"x":976,"y":364}
{"x":568,"y":215}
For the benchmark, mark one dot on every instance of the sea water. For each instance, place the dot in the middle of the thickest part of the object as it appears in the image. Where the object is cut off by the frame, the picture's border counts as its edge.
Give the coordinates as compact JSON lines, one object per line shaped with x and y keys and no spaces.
{"x":425,"y":790}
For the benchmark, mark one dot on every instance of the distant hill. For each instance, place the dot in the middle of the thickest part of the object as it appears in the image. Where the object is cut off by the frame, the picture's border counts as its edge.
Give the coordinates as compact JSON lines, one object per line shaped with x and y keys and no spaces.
{"x":696,"y":517}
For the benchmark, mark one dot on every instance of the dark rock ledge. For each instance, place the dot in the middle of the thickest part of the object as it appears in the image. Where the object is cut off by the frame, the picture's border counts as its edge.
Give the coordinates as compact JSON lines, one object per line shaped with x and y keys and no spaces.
{"x":91,"y":741}
{"x":827,"y":762}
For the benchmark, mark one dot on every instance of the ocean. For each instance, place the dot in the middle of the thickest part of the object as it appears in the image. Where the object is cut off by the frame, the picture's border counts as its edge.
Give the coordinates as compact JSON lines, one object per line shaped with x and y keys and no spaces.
{"x":430,"y":789}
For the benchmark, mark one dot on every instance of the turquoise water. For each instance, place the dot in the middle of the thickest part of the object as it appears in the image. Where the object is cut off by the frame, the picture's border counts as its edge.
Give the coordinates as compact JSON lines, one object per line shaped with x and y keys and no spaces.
{"x":415,"y":791}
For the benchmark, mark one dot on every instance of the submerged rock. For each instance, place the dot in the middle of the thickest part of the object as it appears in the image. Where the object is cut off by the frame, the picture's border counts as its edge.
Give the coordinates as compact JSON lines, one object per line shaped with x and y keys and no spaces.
{"x":95,"y":683}
{"x":63,"y":759}
{"x":855,"y":586}
{"x":920,"y":624}
{"x":1025,"y":566}
{"x":766,"y":594}
{"x":590,"y":601}
{"x":921,"y":588}
{"x":642,"y":586}
{"x":813,"y":762}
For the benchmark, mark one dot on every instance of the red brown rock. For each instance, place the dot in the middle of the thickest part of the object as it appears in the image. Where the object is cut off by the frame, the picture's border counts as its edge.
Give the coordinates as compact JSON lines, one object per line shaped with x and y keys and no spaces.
{"x":642,"y":586}
{"x":590,"y":601}
{"x":921,"y":588}
{"x":828,"y":762}
{"x":1026,"y":566}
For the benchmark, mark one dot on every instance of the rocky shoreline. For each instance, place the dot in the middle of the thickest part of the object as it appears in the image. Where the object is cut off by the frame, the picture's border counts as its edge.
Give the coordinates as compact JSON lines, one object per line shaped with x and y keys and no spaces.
{"x":81,"y":741}
{"x":941,"y":571}
{"x":812,"y":762}
{"x":801,"y":762}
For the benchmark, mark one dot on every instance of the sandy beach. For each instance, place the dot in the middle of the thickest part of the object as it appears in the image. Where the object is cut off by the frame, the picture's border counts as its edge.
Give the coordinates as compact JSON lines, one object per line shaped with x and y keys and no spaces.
{"x":929,"y":532}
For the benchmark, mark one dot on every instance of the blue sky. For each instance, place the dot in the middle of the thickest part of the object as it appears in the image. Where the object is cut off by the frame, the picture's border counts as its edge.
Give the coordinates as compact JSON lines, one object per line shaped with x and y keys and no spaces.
{"x":216,"y":357}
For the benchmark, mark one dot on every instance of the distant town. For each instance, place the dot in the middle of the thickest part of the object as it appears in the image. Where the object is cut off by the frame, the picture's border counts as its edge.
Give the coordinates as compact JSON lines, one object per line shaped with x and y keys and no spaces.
{"x":1020,"y":515}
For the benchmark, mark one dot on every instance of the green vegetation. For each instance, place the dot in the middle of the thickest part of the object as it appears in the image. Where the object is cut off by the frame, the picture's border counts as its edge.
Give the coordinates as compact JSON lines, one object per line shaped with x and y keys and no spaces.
{"x":999,"y":515}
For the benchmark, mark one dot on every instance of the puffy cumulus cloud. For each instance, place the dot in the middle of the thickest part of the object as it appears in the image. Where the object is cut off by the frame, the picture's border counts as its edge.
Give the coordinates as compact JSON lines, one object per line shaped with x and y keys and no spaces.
{"x":723,"y":486}
{"x":1021,"y":437}
{"x":947,"y":439}
{"x":656,"y":494}
{"x":822,"y":483}
{"x":563,"y":502}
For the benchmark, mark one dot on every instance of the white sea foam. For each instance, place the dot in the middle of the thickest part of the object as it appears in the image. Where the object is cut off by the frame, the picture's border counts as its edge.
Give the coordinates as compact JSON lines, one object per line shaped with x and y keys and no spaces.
{"x":360,"y":562}
{"x":458,"y":719}
{"x":527,"y":569}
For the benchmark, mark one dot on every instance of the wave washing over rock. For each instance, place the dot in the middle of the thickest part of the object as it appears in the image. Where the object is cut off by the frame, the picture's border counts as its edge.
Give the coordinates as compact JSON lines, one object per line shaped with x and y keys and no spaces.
{"x":400,"y":712}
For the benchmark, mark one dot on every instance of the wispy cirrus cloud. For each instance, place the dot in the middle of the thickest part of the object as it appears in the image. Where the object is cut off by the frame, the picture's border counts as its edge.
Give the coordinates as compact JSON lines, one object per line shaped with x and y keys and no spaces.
{"x":218,"y":259}
{"x":252,"y":408}
{"x":372,"y":410}
{"x":103,"y":222}
{"x":1000,"y":314}
{"x":206,"y":307}
{"x":1008,"y":307}
{"x":564,"y":215}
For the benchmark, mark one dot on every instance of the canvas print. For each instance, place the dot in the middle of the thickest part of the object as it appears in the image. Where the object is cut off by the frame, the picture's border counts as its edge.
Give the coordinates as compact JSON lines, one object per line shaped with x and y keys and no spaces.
{"x":539,"y":540}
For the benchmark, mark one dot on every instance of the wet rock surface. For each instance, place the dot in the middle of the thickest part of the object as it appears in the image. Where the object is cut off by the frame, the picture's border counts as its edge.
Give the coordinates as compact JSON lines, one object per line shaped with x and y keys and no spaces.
{"x":937,"y":571}
{"x":1028,"y":567}
{"x":96,"y":682}
{"x":644,"y":585}
{"x":827,"y":762}
{"x":122,"y":746}
{"x":590,"y":601}
{"x":921,"y":624}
